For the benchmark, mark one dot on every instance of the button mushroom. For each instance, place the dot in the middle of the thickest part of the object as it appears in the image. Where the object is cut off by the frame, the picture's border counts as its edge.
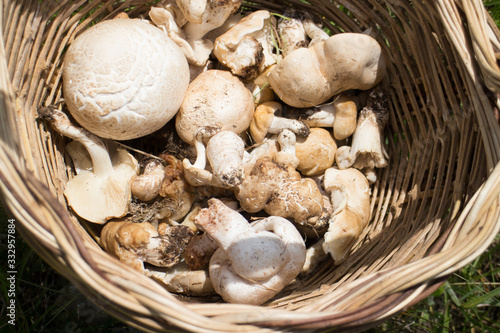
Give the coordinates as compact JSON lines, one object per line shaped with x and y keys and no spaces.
{"x":124,"y":78}
{"x":254,"y":261}
{"x":103,"y":191}
{"x":350,"y":196}
{"x":311,"y":76}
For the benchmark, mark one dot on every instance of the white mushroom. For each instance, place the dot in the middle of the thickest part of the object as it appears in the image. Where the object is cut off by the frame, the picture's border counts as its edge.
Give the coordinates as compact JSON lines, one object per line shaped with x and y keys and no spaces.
{"x":247,"y":48}
{"x":201,"y":17}
{"x":367,"y":150}
{"x":254,"y":262}
{"x":310,"y":76}
{"x":123,"y":79}
{"x":292,"y":34}
{"x":225,"y":154}
{"x":350,"y":196}
{"x":146,"y":186}
{"x":215,"y":99}
{"x":103,"y":191}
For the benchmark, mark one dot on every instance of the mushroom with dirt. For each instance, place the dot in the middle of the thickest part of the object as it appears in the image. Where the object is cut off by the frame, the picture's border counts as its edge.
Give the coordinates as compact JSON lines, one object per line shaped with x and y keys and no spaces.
{"x":316,"y":153}
{"x":311,"y":76}
{"x":254,"y":261}
{"x":247,"y":47}
{"x":102,"y":191}
{"x":216,"y":101}
{"x":266,"y":120}
{"x":139,"y":243}
{"x":281,"y":191}
{"x":124,"y":79}
{"x":367,"y":150}
{"x":350,"y":197}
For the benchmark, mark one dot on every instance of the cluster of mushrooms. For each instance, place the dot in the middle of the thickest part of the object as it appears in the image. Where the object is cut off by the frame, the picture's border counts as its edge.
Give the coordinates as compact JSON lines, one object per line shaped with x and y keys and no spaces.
{"x":284,"y":125}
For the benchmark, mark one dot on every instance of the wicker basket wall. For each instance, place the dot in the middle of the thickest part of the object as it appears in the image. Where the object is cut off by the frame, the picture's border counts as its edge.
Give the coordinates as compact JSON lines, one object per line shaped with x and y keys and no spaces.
{"x":434,"y":209}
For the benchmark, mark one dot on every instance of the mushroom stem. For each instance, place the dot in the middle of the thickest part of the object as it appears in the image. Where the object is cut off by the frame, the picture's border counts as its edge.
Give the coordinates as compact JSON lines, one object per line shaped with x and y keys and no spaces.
{"x":98,"y":152}
{"x":286,"y":155}
{"x":294,"y":125}
{"x":322,"y":116}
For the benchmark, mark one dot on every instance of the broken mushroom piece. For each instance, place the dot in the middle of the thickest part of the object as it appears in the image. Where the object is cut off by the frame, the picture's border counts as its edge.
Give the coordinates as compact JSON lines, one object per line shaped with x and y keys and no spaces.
{"x":102,"y":192}
{"x":265,"y":121}
{"x":254,"y":261}
{"x":367,"y":150}
{"x":350,"y":197}
{"x":139,"y":243}
{"x":124,"y":79}
{"x":246,"y":48}
{"x":311,"y":76}
{"x":291,"y":32}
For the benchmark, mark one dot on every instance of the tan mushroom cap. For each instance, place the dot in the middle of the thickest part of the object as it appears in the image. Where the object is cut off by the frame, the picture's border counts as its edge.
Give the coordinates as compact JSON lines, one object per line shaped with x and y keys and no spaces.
{"x":316,"y":153}
{"x":346,"y":111}
{"x":124,"y":78}
{"x":262,"y":120}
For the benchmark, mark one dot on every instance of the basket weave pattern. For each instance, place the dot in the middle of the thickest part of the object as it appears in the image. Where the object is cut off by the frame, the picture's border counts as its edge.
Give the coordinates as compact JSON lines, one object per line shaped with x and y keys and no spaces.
{"x":434,"y":209}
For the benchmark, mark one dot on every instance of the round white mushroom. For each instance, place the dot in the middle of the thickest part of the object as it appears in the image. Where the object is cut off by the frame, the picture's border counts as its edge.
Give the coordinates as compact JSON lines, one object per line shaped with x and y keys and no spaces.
{"x":124,"y":78}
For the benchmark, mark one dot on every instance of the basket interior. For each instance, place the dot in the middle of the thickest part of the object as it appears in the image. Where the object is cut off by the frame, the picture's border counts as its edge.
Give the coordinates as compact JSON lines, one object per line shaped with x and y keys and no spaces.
{"x":439,"y":159}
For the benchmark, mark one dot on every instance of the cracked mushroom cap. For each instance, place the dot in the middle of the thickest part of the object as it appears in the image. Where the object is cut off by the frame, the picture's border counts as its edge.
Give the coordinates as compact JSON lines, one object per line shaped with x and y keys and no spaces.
{"x":124,"y":78}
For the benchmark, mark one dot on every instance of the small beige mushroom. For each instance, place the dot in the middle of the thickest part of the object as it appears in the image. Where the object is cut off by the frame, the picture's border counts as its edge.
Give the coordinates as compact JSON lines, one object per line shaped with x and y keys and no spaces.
{"x":254,"y":261}
{"x":350,"y":196}
{"x":146,"y":186}
{"x":316,"y":153}
{"x":311,"y":76}
{"x":367,"y":150}
{"x":103,"y":191}
{"x":265,"y":121}
{"x":124,"y":79}
{"x":139,"y":243}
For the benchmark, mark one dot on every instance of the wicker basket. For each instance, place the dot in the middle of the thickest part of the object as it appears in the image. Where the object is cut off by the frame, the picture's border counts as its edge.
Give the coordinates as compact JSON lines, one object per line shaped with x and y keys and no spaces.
{"x":434,"y":210}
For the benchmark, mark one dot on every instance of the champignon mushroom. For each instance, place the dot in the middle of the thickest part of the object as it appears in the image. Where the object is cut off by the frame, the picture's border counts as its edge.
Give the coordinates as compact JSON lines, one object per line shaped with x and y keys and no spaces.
{"x":101,"y":192}
{"x":137,"y":243}
{"x":316,"y":153}
{"x":350,"y":196}
{"x":215,"y":99}
{"x":280,"y":191}
{"x":123,"y":79}
{"x":367,"y":150}
{"x":265,"y":121}
{"x":254,"y":261}
{"x":310,"y":76}
{"x":247,"y":47}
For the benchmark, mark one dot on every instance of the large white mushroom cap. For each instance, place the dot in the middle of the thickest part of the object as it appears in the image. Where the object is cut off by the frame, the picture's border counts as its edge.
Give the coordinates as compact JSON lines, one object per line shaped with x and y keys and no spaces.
{"x":124,"y":78}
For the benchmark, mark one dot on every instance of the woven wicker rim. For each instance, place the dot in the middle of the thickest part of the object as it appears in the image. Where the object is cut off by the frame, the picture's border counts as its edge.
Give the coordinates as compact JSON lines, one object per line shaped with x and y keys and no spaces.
{"x":433,"y":211}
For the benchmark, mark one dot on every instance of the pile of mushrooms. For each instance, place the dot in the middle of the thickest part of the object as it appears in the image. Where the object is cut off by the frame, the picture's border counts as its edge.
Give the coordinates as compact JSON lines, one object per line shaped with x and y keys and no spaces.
{"x":284,"y":125}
